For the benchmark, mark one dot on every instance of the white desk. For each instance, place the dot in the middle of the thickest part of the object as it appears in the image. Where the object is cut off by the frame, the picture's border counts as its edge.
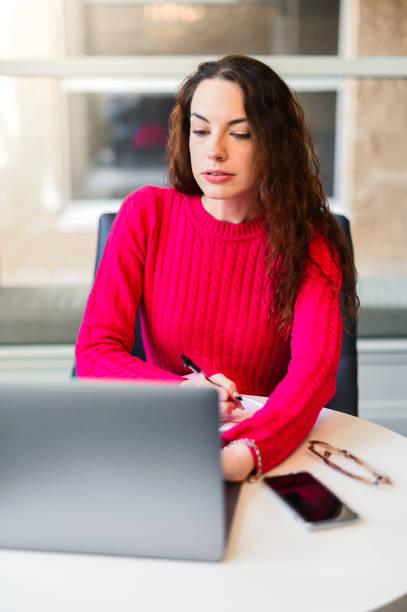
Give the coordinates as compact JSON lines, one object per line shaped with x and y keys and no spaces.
{"x":271,"y":563}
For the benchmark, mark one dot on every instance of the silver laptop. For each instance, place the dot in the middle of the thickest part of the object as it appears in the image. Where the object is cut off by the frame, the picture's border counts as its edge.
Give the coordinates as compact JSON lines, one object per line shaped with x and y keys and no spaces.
{"x":112,"y":468}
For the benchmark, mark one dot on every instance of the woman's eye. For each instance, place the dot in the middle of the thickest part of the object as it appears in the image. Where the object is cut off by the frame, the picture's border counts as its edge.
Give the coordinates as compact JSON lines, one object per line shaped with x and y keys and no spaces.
{"x":200,"y":132}
{"x":241,"y":135}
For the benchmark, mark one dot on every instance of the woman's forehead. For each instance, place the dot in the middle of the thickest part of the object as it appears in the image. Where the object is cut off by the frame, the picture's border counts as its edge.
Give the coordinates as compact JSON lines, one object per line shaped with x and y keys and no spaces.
{"x":218,"y":98}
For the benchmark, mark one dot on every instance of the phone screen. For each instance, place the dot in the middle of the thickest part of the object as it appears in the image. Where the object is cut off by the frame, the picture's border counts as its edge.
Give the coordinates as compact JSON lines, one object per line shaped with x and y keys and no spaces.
{"x":310,"y":499}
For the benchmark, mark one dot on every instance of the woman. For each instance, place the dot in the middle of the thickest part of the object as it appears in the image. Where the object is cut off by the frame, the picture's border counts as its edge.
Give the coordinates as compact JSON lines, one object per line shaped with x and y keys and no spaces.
{"x":238,"y":265}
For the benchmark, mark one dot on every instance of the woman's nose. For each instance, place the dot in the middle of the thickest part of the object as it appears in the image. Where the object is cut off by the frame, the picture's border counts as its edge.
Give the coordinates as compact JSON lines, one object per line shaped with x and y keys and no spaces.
{"x":217,"y":149}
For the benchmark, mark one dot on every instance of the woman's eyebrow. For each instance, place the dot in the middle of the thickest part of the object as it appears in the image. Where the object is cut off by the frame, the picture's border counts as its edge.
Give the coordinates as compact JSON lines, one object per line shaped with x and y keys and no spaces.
{"x":233,"y":122}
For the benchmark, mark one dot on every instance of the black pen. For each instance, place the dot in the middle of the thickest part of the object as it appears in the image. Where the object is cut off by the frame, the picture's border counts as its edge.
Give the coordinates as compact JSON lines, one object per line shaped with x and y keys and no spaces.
{"x":190,"y":364}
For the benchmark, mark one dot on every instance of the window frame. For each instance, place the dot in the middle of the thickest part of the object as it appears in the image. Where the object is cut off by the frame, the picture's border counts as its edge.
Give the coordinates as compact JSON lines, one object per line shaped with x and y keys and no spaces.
{"x":80,"y":214}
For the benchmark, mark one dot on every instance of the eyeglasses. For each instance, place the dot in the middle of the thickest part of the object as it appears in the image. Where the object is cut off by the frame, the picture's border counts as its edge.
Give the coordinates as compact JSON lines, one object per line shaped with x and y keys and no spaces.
{"x":343,"y":461}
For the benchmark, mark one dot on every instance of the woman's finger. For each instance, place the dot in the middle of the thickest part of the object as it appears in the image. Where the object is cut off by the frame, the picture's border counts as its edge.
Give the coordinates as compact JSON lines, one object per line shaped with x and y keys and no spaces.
{"x":225,"y":410}
{"x":226,"y":383}
{"x":239,"y":414}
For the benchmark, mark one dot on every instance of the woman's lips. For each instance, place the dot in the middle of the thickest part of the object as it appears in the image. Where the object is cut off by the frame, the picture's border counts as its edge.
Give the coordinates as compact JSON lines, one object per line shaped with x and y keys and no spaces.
{"x":217,"y":177}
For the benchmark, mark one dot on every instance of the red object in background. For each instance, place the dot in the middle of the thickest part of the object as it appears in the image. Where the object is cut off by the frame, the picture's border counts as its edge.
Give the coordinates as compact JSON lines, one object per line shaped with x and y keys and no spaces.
{"x":150,"y":136}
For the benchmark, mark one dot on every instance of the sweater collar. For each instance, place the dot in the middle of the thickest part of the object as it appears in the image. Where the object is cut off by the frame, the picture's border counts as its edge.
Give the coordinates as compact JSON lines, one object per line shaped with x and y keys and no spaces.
{"x":223,"y":229}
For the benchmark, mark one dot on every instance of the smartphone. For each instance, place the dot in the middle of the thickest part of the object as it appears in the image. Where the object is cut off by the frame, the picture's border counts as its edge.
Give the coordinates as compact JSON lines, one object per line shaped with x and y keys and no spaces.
{"x":310,"y":500}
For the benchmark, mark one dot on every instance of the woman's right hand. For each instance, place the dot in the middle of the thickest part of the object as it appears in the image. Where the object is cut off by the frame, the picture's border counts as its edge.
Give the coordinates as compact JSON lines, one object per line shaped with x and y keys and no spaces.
{"x":225,"y":391}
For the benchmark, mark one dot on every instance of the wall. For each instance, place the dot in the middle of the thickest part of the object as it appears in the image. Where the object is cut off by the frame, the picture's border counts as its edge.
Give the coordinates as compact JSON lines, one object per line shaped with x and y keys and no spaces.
{"x":378,"y":178}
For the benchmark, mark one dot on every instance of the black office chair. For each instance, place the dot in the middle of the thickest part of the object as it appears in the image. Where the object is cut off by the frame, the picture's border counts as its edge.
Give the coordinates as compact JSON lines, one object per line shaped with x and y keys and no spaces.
{"x":346,"y":396}
{"x":105,"y":223}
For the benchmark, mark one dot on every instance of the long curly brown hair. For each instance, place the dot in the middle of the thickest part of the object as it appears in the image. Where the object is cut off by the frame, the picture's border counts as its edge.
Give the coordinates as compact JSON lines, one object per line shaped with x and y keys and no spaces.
{"x":288,"y":186}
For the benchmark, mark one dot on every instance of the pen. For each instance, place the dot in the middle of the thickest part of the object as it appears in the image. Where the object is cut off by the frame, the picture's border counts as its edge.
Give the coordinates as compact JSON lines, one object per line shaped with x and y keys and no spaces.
{"x":190,"y":364}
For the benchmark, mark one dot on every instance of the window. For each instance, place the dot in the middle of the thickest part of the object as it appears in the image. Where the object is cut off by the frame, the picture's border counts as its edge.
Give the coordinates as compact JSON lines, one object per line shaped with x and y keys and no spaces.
{"x":123,"y":145}
{"x":177,"y":27}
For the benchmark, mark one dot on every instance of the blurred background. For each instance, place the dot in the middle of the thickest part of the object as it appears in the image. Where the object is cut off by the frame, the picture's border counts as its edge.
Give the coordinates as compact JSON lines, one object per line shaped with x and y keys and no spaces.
{"x":86,"y":87}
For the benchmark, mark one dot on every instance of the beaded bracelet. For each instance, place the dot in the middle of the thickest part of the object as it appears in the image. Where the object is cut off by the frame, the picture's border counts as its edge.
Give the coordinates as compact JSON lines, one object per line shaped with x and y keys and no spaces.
{"x":259,"y":468}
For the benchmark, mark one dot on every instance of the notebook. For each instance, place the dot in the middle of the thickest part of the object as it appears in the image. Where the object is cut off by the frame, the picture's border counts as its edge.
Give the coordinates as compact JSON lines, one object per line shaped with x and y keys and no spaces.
{"x":113,"y":468}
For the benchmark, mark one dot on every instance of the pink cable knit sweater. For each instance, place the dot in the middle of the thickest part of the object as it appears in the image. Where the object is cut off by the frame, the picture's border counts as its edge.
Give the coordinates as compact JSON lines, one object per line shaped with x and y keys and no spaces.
{"x":202,"y":289}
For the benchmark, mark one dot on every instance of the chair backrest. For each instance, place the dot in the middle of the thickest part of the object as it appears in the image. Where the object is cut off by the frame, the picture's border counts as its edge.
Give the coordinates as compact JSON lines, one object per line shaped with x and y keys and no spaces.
{"x":346,"y":396}
{"x":105,"y":223}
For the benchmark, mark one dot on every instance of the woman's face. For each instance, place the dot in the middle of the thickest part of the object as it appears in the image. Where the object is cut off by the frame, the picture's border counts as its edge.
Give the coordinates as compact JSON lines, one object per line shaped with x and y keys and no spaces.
{"x":220,"y":143}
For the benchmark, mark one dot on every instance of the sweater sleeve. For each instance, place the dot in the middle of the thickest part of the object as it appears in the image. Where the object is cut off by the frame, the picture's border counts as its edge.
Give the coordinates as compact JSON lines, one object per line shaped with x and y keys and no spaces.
{"x":294,"y":405}
{"x":106,"y":335}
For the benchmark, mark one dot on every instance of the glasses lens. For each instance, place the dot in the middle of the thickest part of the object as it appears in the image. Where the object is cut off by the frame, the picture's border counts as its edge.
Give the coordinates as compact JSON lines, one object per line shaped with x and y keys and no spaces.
{"x":349,"y":465}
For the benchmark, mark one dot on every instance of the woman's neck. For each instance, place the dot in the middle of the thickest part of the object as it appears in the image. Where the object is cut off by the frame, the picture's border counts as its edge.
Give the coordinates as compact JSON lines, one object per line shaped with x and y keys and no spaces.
{"x":231,"y":210}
